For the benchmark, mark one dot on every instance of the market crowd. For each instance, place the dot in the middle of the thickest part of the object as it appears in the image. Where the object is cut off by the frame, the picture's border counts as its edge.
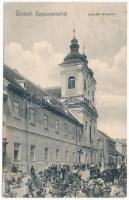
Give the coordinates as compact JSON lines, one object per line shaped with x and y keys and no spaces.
{"x":66,"y":181}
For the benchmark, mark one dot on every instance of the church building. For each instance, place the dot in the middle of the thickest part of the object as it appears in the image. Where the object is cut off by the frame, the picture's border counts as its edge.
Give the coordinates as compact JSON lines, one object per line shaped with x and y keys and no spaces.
{"x":54,"y":125}
{"x":77,"y":94}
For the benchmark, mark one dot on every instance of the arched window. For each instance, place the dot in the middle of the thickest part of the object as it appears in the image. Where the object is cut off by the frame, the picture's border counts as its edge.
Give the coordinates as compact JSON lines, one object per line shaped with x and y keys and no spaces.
{"x":71,"y":82}
{"x":84,"y":84}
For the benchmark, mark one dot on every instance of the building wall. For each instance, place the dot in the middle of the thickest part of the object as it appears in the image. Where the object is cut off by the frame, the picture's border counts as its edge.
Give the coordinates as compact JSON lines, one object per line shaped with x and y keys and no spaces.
{"x":118,"y":146}
{"x":26,"y":139}
{"x":122,"y":149}
{"x":102,"y":145}
{"x":27,"y":133}
{"x":112,"y":158}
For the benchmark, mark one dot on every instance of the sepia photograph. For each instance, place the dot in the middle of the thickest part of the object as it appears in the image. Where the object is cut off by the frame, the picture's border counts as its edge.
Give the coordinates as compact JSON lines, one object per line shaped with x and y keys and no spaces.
{"x":64,"y":124}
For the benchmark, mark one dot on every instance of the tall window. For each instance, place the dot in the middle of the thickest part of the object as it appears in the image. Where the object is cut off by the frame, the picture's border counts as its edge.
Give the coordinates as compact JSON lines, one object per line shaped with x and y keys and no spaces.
{"x":66,"y":156}
{"x":57,"y":126}
{"x":90,"y":135}
{"x":17,"y":152}
{"x":93,"y":96}
{"x":86,"y":126}
{"x":16,"y":108}
{"x":71,"y":82}
{"x":85,"y":84}
{"x":94,"y":158}
{"x":57,"y":155}
{"x":86,"y":157}
{"x":80,"y":135}
{"x":32,"y":115}
{"x":88,"y":90}
{"x":94,"y":130}
{"x":45,"y":121}
{"x":32,"y":153}
{"x":73,"y":132}
{"x":66,"y":129}
{"x":74,"y":156}
{"x":46,"y":154}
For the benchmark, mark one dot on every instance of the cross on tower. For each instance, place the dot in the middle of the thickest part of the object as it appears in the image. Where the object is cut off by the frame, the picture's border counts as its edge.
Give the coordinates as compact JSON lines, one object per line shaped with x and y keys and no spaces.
{"x":74,"y":31}
{"x":83,"y":47}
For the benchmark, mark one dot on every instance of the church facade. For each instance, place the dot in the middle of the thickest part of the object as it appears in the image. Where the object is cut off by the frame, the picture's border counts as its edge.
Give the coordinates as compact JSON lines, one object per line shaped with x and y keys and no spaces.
{"x":78,"y":95}
{"x":40,"y":128}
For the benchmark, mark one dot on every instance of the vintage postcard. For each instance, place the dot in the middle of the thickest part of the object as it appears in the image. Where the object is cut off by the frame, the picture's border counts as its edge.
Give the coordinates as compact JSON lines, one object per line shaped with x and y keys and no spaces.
{"x":64,"y":119}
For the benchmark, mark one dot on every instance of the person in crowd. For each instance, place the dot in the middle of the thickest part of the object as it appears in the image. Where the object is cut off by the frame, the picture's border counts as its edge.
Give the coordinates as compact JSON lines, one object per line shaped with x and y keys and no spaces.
{"x":17,"y":167}
{"x":29,"y":188}
{"x":7,"y":184}
{"x":14,"y":169}
{"x":32,"y":170}
{"x":63,"y":172}
{"x":97,"y":190}
{"x":65,"y":181}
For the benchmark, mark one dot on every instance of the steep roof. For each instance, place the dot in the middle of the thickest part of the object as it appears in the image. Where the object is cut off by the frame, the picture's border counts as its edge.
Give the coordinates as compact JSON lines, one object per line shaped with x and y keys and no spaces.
{"x":55,"y":91}
{"x":36,"y":93}
{"x":102,"y":133}
{"x":74,"y":56}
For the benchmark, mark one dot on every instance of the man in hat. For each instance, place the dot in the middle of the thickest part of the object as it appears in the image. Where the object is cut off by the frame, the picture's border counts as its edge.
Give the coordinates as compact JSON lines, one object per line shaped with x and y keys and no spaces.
{"x":13,"y":169}
{"x":63,"y":170}
{"x":32,"y":170}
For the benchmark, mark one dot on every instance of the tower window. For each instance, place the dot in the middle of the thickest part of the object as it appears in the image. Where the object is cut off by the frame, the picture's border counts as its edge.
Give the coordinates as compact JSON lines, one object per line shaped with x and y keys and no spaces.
{"x":84,"y":84}
{"x":71,"y":82}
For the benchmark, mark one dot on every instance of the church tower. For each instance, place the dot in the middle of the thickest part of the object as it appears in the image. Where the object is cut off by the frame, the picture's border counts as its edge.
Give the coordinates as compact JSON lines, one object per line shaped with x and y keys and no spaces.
{"x":78,"y":96}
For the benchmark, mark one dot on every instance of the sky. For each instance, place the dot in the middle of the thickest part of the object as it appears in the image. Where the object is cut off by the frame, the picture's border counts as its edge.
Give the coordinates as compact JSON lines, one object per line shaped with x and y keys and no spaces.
{"x":35,"y":45}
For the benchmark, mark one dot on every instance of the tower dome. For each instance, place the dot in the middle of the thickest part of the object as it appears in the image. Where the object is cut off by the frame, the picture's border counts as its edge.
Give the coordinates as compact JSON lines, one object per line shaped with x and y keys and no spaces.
{"x":74,"y":55}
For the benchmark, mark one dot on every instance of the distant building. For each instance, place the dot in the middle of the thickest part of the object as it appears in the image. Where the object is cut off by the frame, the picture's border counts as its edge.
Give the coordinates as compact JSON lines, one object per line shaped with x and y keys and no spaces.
{"x":121,"y":147}
{"x":112,"y":152}
{"x":102,"y":145}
